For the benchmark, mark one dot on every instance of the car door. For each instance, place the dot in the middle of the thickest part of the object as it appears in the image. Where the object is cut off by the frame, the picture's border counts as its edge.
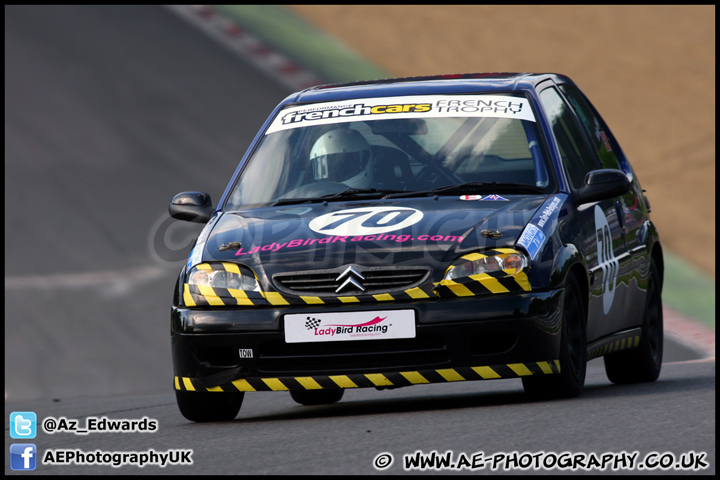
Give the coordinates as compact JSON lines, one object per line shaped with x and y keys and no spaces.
{"x":597,"y":230}
{"x":630,"y":207}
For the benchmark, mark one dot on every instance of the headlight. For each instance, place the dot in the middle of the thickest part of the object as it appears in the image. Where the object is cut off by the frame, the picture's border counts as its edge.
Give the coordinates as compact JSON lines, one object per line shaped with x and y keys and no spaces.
{"x":511,"y":263}
{"x":224,"y":275}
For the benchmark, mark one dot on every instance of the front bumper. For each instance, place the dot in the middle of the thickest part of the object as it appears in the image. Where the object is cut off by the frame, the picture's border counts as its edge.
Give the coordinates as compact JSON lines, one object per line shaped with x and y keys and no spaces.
{"x":475,"y":338}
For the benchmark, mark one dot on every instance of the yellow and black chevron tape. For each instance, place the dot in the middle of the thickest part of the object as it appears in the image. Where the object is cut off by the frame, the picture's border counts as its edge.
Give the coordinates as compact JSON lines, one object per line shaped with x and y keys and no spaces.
{"x":386,"y":379}
{"x":614,"y":345}
{"x":474,"y":285}
{"x":195,"y":296}
{"x":485,"y":283}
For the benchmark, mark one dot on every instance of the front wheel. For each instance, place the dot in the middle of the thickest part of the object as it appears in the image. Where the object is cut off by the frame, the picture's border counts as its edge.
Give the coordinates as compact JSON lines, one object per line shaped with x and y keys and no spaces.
{"x":209,"y":406}
{"x":642,"y":364}
{"x":573,"y":352}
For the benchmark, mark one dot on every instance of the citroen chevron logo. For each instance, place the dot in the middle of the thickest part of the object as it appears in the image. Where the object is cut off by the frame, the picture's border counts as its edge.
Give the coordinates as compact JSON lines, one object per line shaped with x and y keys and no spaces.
{"x":351,"y":275}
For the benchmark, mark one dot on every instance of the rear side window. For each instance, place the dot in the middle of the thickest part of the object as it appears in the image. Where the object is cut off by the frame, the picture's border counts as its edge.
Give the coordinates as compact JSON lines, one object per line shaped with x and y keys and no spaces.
{"x":574,"y":151}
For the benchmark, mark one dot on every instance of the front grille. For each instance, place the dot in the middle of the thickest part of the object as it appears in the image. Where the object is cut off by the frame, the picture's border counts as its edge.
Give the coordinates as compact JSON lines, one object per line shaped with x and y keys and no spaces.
{"x":412,"y":353}
{"x":372,"y":279}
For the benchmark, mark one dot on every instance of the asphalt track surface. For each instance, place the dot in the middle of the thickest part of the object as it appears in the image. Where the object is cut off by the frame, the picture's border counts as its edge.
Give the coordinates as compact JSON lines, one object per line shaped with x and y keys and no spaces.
{"x":109,"y":112}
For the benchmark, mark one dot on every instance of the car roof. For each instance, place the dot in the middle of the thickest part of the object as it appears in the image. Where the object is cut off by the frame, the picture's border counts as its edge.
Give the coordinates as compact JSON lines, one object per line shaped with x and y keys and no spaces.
{"x":425,"y":85}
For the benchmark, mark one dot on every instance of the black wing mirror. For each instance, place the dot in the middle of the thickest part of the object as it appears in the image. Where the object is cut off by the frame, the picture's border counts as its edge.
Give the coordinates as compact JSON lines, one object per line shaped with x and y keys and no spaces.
{"x":603,"y":184}
{"x":191,"y":206}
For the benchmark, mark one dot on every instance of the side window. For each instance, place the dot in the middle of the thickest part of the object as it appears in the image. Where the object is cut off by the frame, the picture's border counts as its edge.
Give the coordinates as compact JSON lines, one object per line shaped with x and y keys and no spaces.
{"x":593,"y":125}
{"x":576,"y":155}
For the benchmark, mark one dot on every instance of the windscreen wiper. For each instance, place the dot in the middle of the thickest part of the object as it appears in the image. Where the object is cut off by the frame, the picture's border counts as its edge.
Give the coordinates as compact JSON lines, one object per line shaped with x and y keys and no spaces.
{"x":472,"y":187}
{"x":348,"y":193}
{"x":292,"y":201}
{"x":355,"y":192}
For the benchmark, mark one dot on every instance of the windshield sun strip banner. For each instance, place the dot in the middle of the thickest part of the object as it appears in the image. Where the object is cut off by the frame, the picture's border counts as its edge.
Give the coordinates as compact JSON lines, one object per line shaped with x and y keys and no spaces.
{"x":415,"y":106}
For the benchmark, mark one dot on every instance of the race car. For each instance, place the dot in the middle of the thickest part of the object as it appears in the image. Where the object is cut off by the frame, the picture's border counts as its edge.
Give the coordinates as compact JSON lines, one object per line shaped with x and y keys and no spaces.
{"x":419,"y":230}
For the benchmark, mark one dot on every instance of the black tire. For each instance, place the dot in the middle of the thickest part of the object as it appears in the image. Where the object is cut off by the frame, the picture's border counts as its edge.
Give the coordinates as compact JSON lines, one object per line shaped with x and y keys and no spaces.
{"x":642,"y":364}
{"x":209,"y":406}
{"x":317,"y":397}
{"x":573,"y":351}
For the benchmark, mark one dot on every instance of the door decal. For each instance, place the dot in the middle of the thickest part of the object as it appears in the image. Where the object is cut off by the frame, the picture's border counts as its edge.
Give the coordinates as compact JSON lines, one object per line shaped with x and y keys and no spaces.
{"x":606,"y":258}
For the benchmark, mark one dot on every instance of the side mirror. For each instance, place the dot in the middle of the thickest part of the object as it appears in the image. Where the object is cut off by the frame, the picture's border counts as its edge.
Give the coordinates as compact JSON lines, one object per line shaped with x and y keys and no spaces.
{"x":191,"y":206}
{"x":603,"y":184}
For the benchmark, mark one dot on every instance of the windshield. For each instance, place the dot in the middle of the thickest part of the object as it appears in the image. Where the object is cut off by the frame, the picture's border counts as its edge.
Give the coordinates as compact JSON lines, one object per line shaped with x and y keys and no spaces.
{"x":385,"y":146}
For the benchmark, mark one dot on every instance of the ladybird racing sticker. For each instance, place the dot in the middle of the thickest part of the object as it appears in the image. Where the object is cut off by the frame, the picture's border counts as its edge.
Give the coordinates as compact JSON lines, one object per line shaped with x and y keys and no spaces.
{"x":383,"y":108}
{"x":342,"y":326}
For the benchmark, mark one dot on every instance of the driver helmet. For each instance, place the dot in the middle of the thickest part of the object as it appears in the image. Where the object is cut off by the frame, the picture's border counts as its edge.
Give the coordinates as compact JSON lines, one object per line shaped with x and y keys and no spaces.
{"x":343,"y":155}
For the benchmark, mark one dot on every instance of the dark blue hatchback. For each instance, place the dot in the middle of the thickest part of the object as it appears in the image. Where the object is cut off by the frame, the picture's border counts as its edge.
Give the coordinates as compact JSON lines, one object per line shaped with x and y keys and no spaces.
{"x":419,"y":230}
